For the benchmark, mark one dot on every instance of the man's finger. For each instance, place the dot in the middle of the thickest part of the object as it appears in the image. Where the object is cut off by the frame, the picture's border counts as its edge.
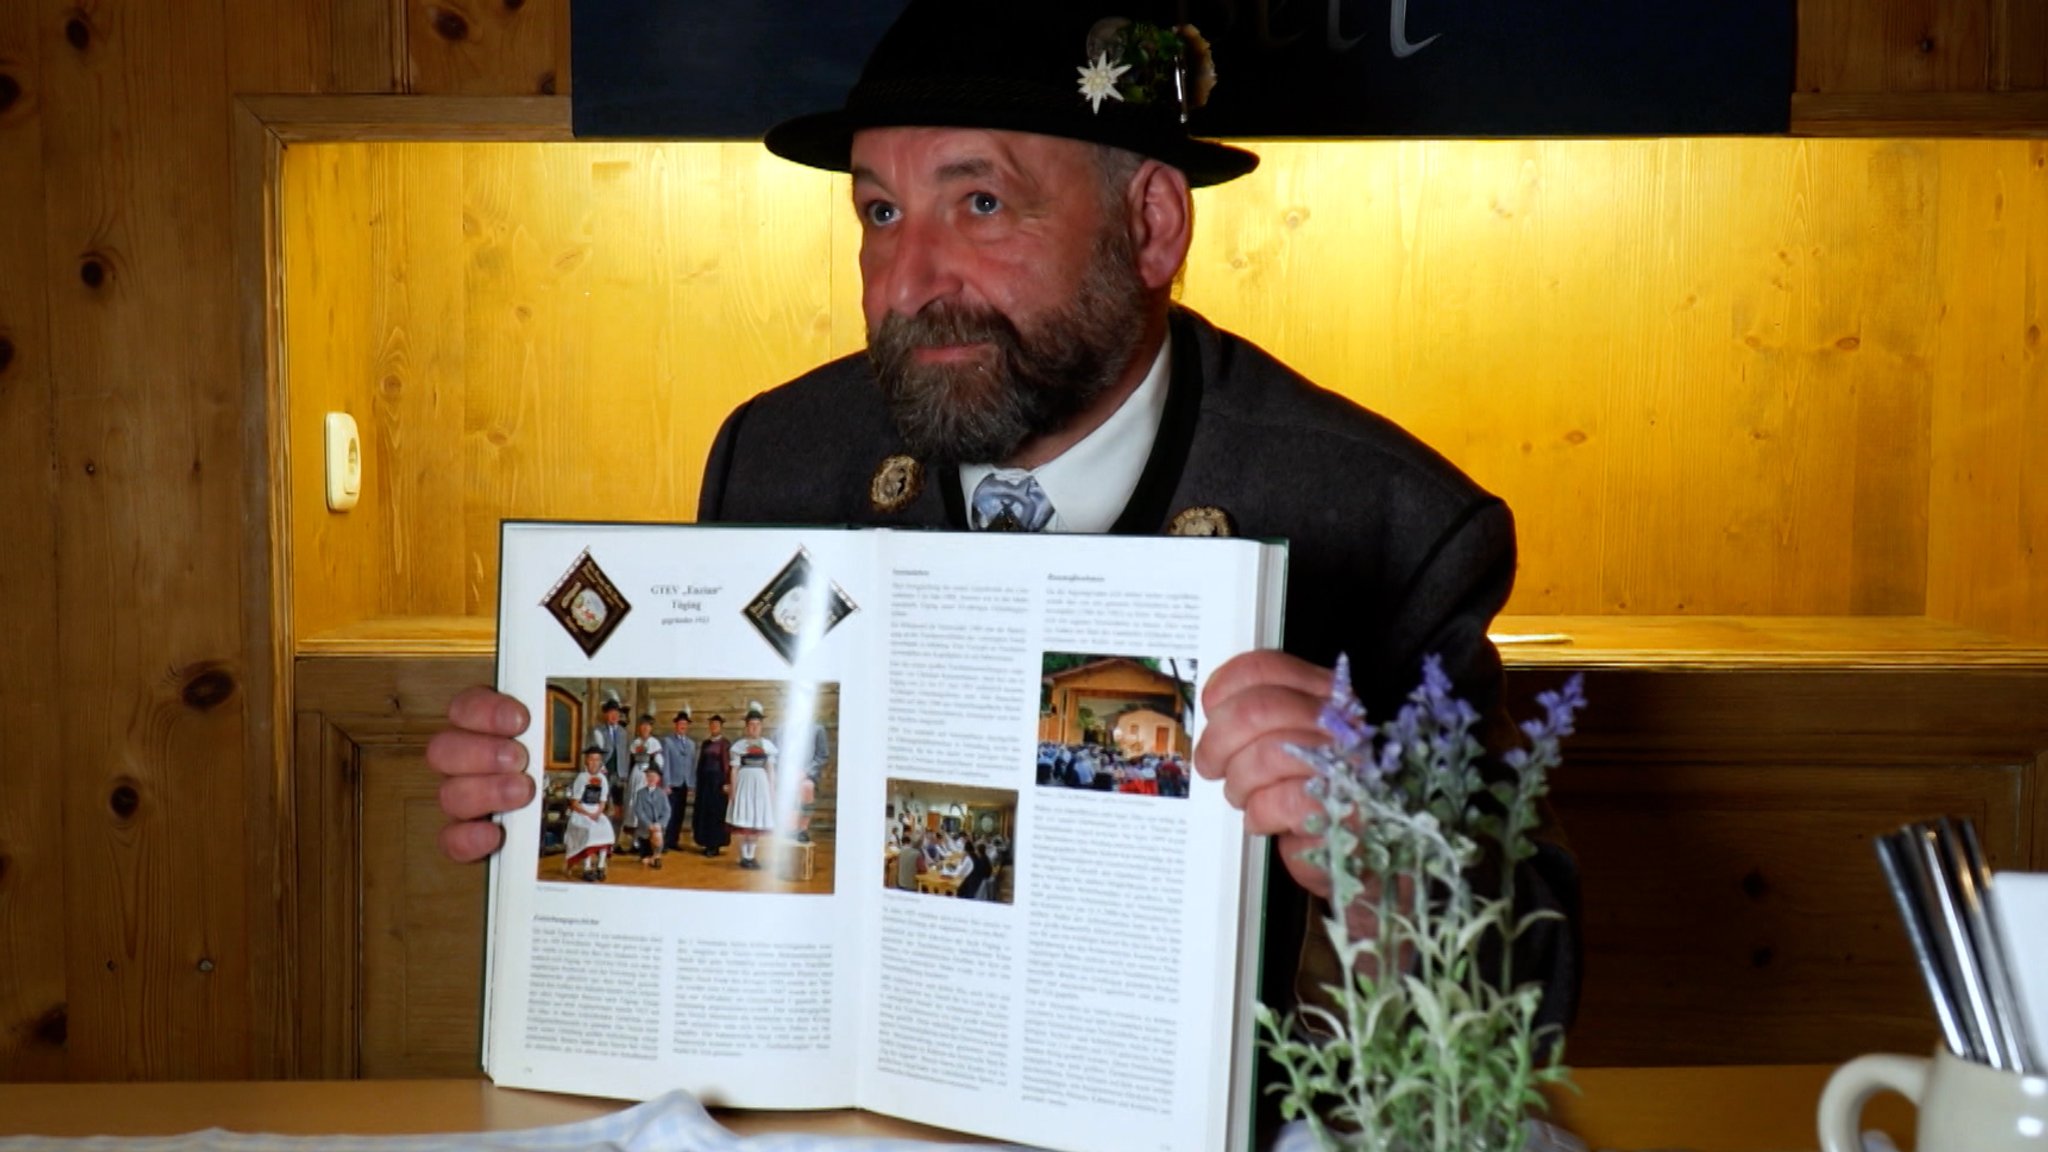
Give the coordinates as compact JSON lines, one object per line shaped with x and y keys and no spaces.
{"x":453,"y":752}
{"x":1265,"y":668}
{"x":1267,"y":764}
{"x":488,"y":711}
{"x":1256,"y":716}
{"x":1294,"y":849}
{"x":1280,"y":810}
{"x":473,"y":797}
{"x":471,"y":841}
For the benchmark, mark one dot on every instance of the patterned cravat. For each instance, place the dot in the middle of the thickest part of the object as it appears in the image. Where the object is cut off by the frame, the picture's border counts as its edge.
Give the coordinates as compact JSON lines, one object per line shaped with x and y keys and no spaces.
{"x":1010,"y":500}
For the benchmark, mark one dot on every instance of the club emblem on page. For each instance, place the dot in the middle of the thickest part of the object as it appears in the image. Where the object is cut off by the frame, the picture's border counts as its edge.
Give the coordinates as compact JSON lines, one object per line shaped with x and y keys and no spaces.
{"x":587,"y":604}
{"x":798,"y":607}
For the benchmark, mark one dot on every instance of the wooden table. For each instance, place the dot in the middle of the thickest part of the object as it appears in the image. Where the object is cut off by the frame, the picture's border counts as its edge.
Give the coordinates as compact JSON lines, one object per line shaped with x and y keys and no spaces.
{"x":1707,"y":1109}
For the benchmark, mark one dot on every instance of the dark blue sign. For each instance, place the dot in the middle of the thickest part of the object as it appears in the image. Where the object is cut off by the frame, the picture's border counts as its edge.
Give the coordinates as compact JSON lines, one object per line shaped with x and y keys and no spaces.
{"x":695,"y":68}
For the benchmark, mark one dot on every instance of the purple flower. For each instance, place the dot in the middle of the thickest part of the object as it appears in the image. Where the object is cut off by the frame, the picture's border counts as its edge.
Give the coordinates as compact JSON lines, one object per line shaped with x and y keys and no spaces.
{"x":1343,"y":717}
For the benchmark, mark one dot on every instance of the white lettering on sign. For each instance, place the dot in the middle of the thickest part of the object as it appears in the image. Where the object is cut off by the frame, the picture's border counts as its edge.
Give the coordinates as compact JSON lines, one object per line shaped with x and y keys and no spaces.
{"x":1266,"y":13}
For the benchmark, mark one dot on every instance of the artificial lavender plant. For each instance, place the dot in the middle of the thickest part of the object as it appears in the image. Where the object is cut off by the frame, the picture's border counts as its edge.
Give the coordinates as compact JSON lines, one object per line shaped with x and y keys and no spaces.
{"x":1425,"y":1049}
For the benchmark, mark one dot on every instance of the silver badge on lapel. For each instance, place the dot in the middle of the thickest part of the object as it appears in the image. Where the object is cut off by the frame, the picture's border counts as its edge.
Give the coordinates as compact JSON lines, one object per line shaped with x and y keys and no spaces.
{"x":897,"y":482}
{"x":1205,"y":520}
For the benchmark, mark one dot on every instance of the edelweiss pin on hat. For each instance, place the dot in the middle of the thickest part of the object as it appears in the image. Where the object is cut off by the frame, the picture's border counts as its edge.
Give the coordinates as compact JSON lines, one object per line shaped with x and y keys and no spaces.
{"x":1104,"y":71}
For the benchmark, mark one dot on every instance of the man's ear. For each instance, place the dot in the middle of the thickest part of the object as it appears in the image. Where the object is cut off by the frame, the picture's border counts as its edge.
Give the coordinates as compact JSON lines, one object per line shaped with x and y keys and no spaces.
{"x":1162,"y":219}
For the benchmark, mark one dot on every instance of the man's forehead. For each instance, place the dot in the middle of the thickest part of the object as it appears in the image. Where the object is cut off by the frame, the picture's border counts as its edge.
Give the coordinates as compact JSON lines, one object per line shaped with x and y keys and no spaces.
{"x":958,"y":151}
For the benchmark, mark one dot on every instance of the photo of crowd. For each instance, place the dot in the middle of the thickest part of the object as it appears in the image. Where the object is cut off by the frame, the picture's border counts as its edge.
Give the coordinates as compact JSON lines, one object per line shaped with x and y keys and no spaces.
{"x":951,"y":840}
{"x":1115,"y":724}
{"x":720,"y":785}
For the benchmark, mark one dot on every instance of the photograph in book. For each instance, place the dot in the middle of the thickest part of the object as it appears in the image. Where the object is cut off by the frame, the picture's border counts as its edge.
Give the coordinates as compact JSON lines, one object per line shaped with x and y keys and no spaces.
{"x":956,"y":840}
{"x":698,"y":784}
{"x":1116,"y":724}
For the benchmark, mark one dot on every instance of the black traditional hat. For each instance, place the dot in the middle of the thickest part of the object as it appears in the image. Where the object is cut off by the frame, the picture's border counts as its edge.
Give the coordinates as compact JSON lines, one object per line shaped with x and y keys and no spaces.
{"x":1116,"y":72}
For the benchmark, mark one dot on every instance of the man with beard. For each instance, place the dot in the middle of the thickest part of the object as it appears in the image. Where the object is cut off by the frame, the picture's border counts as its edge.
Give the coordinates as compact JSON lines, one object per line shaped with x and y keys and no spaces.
{"x":1022,"y":233}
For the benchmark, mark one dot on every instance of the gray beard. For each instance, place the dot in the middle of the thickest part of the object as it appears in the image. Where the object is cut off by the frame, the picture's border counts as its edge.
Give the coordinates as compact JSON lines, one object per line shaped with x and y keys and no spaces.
{"x":1037,"y":382}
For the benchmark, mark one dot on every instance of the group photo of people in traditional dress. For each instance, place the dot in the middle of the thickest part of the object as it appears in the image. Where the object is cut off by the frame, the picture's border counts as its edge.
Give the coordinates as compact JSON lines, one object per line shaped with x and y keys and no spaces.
{"x":1116,"y":724}
{"x":951,"y":840}
{"x":716,"y":785}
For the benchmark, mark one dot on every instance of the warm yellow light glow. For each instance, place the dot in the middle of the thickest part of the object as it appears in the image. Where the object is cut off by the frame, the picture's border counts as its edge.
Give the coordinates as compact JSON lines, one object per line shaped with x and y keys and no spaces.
{"x":1711,"y":376}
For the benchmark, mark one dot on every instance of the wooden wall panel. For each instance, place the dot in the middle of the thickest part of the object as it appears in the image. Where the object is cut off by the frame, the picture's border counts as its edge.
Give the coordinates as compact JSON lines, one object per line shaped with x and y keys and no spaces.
{"x":1754,"y":890}
{"x":487,"y":47}
{"x":1593,"y":328}
{"x":328,"y":364}
{"x":2019,"y":59}
{"x":386,"y":348}
{"x":312,"y":46}
{"x":162,"y":959}
{"x":594,"y":312}
{"x":1989,"y":483}
{"x":1582,"y":325}
{"x":423,"y":926}
{"x":390,"y":933}
{"x":1896,"y":45}
{"x":1734,"y":909}
{"x":33,"y":1007}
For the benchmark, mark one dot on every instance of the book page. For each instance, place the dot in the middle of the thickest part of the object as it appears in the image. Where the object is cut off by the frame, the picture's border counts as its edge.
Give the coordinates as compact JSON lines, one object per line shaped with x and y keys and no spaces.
{"x":1056,"y":952}
{"x":728,"y":963}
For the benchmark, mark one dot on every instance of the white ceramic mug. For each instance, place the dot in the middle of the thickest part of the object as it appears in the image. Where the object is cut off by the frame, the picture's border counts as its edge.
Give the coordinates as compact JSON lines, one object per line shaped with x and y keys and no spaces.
{"x":1964,"y":1107}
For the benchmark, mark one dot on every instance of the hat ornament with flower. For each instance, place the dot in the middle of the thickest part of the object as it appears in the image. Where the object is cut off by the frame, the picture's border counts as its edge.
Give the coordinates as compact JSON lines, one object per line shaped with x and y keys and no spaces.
{"x":1147,"y":63}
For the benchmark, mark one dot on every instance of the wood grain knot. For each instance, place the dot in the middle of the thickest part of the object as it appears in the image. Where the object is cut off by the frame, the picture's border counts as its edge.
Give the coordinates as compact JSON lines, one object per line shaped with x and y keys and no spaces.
{"x":6,"y":353}
{"x":547,"y":83}
{"x":10,"y":91}
{"x":209,"y":687}
{"x":1849,"y":343}
{"x":1761,"y":958}
{"x":514,"y":5}
{"x":52,"y":1027}
{"x":77,"y":32}
{"x":124,"y":800}
{"x":5,"y":862}
{"x":1754,"y":885}
{"x":448,"y":24}
{"x":93,"y":272}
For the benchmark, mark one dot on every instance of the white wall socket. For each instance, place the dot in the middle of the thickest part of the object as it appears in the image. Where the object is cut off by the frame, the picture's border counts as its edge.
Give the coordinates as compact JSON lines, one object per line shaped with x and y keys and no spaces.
{"x":344,"y":462}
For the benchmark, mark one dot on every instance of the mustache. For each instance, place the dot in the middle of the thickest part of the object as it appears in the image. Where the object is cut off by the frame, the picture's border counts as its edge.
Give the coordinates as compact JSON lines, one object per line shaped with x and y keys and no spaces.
{"x":941,"y":324}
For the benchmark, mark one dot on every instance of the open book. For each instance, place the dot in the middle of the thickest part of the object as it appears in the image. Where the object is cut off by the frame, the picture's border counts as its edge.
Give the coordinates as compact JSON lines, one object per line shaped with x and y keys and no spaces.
{"x":944,"y":858}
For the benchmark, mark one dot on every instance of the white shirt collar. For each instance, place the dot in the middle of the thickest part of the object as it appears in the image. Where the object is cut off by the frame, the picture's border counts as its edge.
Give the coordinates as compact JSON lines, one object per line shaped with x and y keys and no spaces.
{"x":1090,"y":483}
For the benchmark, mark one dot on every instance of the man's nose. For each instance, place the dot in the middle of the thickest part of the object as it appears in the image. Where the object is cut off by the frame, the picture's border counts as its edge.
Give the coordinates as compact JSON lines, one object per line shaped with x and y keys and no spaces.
{"x":923,"y":267}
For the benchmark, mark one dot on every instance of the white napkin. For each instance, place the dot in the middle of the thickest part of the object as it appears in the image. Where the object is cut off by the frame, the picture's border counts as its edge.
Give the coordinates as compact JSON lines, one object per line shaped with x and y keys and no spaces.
{"x":672,"y":1123}
{"x":2019,"y":903}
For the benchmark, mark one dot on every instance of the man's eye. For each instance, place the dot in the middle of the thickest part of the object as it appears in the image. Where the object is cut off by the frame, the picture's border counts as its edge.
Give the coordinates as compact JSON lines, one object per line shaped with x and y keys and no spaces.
{"x":983,"y":204}
{"x":878,"y":212}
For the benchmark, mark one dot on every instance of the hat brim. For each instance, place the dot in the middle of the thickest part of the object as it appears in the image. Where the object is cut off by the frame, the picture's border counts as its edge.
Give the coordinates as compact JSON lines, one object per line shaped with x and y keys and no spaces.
{"x":825,"y":140}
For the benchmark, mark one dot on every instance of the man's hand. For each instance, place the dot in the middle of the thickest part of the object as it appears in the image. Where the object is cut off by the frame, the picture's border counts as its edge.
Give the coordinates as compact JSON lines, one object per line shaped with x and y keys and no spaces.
{"x":1256,"y":705}
{"x":485,"y":769}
